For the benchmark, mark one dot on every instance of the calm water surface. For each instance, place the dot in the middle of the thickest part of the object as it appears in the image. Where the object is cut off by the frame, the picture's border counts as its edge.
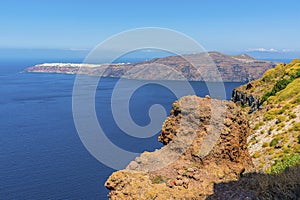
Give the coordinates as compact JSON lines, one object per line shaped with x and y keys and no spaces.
{"x":41,"y":155}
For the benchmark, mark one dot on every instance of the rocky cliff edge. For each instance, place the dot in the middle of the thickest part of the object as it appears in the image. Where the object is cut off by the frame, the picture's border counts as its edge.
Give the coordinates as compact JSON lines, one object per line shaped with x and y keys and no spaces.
{"x":202,"y":146}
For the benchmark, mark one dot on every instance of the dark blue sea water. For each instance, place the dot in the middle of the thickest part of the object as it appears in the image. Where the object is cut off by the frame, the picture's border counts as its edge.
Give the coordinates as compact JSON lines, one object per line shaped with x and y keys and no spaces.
{"x":41,"y":155}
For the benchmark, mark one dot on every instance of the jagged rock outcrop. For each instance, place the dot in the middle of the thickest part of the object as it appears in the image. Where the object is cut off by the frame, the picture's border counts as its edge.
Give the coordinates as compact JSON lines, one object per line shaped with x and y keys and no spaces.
{"x":205,"y":143}
{"x":246,"y":99}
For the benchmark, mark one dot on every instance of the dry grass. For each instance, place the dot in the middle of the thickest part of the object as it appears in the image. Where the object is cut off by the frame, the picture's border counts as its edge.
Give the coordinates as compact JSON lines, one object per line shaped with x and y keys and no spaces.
{"x":285,"y":185}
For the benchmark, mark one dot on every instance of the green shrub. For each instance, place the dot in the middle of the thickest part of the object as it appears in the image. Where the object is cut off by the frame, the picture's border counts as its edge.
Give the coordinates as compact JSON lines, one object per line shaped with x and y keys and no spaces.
{"x":259,"y":124}
{"x":296,"y":74}
{"x":266,"y":96}
{"x":296,"y":126}
{"x":253,"y":141}
{"x":280,"y":85}
{"x":296,"y":101}
{"x":270,"y":130}
{"x":286,"y":151}
{"x":287,"y":161}
{"x":157,"y":179}
{"x":274,"y":142}
{"x":256,"y":154}
{"x":265,"y":144}
{"x":270,"y":115}
{"x":280,"y":126}
{"x":281,"y":118}
{"x":297,"y":149}
{"x":273,"y":113}
{"x":286,"y":106}
{"x":290,"y":92}
{"x":271,"y":151}
{"x":292,"y":115}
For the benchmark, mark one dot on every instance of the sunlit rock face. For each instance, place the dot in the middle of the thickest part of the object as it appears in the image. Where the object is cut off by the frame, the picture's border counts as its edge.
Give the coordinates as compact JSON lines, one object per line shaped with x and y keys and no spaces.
{"x":205,"y":143}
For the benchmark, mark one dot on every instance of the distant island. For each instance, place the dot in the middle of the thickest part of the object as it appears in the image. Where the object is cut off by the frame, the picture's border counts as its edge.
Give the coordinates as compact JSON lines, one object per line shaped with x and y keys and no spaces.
{"x":241,"y":68}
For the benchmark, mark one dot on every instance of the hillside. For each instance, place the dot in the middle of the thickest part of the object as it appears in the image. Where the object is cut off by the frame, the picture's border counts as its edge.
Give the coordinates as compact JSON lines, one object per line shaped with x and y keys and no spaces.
{"x":239,"y":68}
{"x":274,"y":105}
{"x":219,"y":158}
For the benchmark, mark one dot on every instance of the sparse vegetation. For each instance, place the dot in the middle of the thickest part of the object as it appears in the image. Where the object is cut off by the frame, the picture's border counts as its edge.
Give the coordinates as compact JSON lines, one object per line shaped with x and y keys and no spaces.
{"x":280,"y":85}
{"x":284,"y":162}
{"x":280,"y":126}
{"x":283,"y":83}
{"x":296,"y":127}
{"x":256,"y":154}
{"x":284,"y":185}
{"x":271,"y":151}
{"x":281,"y":118}
{"x":265,"y":144}
{"x":271,"y":114}
{"x":157,"y":179}
{"x":292,"y":115}
{"x":270,"y":129}
{"x":274,"y":142}
{"x":279,"y":90}
{"x":259,"y":124}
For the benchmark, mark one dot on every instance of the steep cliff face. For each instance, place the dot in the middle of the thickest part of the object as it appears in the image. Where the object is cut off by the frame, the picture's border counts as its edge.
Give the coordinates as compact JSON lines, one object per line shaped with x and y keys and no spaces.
{"x":273,"y":103}
{"x":246,"y":99}
{"x":203,"y":146}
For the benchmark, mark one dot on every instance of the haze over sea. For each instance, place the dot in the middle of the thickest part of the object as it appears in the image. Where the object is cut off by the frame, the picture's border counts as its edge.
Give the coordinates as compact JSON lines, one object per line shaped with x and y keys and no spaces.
{"x":41,"y":154}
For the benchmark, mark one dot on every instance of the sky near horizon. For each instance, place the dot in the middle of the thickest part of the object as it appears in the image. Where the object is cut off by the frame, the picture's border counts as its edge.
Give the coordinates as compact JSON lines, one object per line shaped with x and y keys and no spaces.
{"x":217,"y":25}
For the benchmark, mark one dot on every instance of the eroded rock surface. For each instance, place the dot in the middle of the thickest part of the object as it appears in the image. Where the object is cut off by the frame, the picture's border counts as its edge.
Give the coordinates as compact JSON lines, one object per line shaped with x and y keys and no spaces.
{"x":205,"y":143}
{"x":244,"y":98}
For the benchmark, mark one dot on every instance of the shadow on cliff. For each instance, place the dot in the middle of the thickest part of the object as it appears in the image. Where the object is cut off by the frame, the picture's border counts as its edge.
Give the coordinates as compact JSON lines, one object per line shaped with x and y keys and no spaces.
{"x":261,"y":186}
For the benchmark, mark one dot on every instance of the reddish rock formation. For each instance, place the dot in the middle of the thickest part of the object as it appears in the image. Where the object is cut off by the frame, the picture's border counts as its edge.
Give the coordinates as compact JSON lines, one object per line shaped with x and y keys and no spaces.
{"x":205,"y":143}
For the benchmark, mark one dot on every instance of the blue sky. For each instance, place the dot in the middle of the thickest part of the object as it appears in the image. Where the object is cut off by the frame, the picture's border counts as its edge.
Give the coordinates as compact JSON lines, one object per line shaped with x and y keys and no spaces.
{"x":218,"y":25}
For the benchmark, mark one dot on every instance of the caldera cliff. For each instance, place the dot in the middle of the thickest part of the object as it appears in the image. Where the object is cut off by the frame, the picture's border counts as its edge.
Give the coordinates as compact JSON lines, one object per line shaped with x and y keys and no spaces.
{"x":193,"y":67}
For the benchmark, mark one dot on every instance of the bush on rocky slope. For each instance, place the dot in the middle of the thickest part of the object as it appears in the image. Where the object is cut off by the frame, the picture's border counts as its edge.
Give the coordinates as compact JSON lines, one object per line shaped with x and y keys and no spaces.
{"x":277,"y":118}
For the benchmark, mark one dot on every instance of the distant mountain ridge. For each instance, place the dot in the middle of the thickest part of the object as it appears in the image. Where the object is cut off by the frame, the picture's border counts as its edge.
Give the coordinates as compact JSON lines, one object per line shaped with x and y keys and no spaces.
{"x":240,"y":68}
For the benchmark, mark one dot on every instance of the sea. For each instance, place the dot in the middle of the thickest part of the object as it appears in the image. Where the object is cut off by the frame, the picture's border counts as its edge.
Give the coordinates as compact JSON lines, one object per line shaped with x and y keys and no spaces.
{"x":41,"y":154}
